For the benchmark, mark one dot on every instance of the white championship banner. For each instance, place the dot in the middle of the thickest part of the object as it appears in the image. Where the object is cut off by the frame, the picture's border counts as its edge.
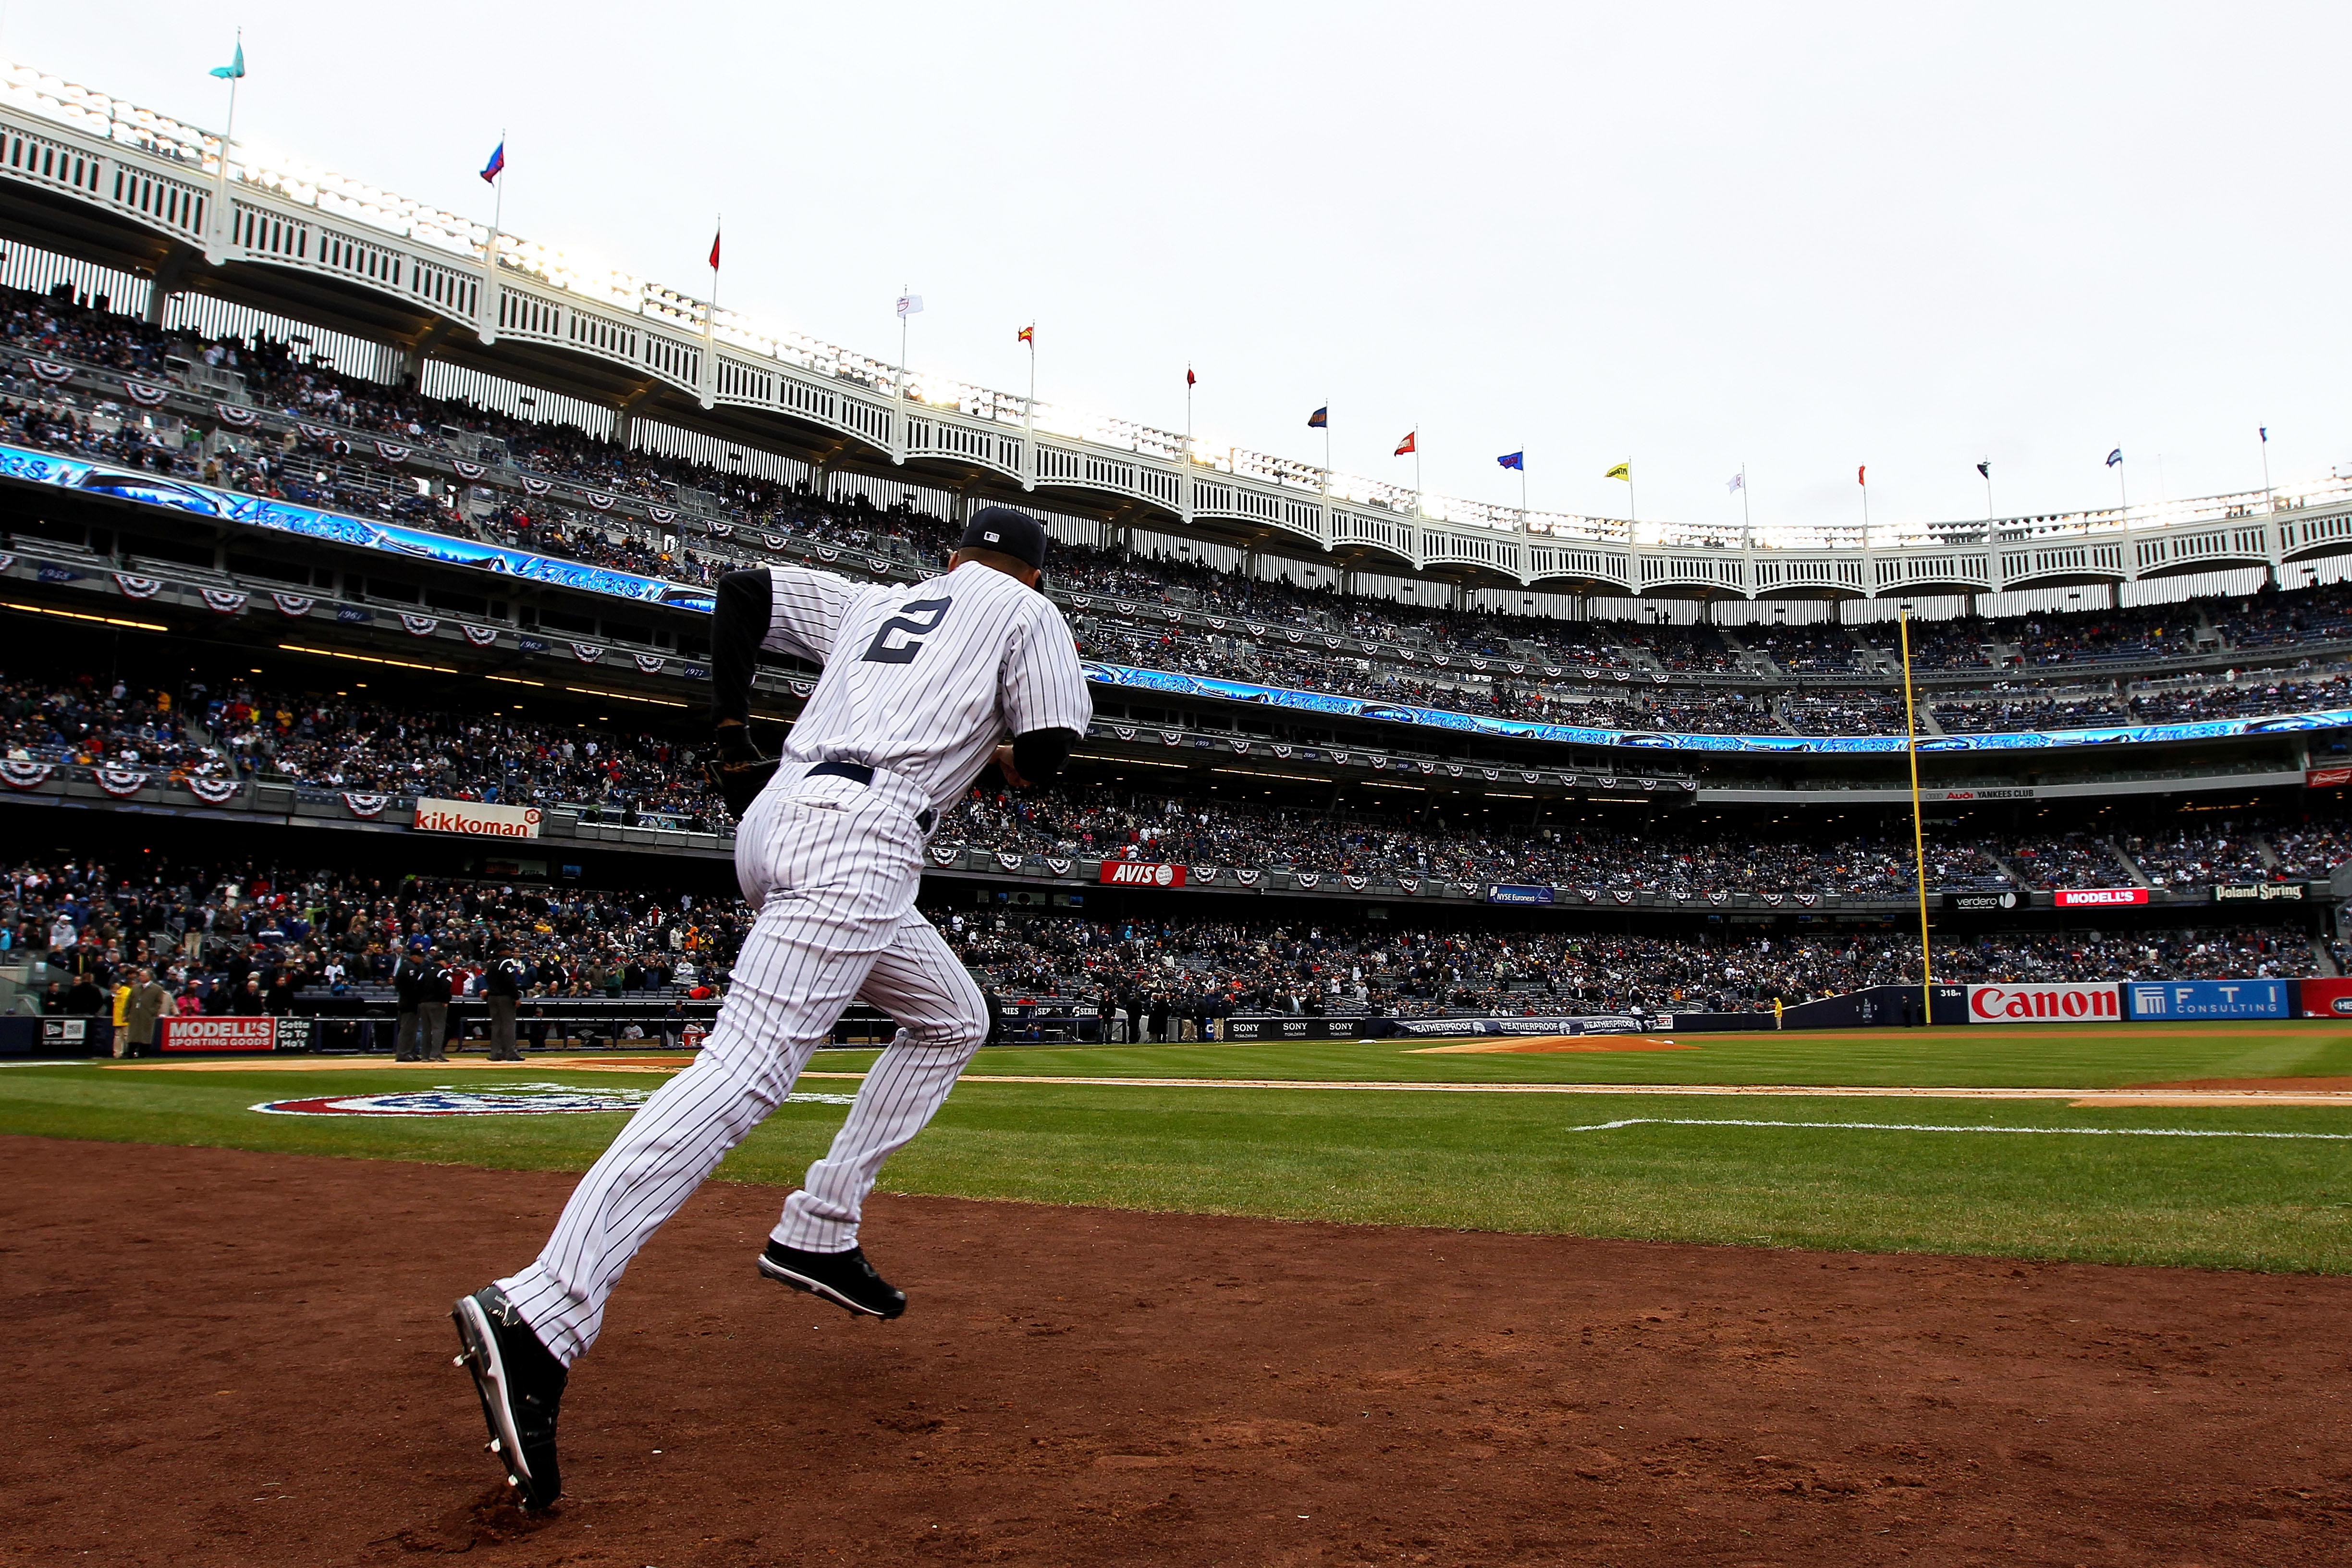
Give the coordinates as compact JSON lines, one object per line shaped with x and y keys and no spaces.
{"x":479,"y":818}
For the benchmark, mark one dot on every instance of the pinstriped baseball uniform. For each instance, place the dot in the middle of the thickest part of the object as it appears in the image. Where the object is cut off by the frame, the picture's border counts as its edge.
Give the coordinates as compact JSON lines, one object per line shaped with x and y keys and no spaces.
{"x":921,"y":684}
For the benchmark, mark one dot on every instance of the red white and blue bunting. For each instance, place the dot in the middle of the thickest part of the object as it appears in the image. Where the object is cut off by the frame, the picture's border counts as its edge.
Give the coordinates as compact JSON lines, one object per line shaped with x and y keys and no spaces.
{"x":661,"y":514}
{"x":532,"y":485}
{"x":26,"y":775}
{"x":481,"y":636}
{"x":212,"y":791}
{"x":119,"y":783}
{"x":146,"y":396}
{"x":419,"y":626}
{"x":315,"y":432}
{"x":294,"y":605}
{"x":49,"y":370}
{"x":650,"y":663}
{"x":238,"y":418}
{"x":586,"y":652}
{"x":467,"y":470}
{"x":138,"y":587}
{"x":601,"y":502}
{"x":390,"y":452}
{"x":367,"y":805}
{"x":225,"y":601}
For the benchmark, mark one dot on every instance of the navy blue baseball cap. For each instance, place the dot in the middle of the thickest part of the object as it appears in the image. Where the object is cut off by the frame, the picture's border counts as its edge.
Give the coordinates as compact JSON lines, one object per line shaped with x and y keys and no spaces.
{"x":1008,"y":532}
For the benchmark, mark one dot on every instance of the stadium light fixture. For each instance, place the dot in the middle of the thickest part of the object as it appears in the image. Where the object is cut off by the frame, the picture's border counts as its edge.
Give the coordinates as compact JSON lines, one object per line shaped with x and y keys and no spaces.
{"x":72,"y":615}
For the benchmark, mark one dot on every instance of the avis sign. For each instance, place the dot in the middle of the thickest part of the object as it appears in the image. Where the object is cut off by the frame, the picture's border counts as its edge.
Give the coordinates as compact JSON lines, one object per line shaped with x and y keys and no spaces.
{"x":477,"y":818}
{"x":1136,"y":874}
{"x":2042,"y":1004}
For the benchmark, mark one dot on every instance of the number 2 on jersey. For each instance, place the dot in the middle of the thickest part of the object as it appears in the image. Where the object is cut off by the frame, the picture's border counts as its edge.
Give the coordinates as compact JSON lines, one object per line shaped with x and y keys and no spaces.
{"x":918,"y":619}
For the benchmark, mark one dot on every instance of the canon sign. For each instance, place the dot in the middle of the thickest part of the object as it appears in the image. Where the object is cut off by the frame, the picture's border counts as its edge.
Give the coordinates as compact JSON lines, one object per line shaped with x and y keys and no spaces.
{"x":1136,"y":874}
{"x":479,"y":819}
{"x":2042,"y":1004}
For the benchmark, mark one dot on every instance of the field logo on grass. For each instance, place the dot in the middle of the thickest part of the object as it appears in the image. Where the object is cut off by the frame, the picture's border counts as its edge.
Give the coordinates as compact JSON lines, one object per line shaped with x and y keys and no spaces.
{"x":454,"y":1099}
{"x":2042,"y":1004}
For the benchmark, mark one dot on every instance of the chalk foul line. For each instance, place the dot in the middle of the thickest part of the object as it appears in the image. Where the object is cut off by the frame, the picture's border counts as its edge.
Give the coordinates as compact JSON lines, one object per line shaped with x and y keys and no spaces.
{"x":1950,"y":1127}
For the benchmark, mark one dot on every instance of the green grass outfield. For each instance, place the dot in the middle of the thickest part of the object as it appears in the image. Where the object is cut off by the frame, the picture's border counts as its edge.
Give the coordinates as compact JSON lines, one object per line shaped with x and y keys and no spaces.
{"x":1514,"y":1161}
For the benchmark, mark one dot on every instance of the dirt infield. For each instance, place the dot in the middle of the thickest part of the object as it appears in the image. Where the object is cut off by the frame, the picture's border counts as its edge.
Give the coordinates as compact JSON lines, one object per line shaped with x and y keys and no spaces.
{"x":218,"y":1357}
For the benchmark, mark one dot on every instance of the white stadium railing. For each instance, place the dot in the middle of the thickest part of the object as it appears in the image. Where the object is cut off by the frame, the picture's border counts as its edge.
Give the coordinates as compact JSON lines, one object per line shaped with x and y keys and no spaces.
{"x":168,"y":177}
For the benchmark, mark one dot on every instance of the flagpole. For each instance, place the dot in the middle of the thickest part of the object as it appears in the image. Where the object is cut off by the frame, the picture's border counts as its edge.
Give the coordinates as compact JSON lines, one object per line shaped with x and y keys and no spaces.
{"x":1188,"y":441}
{"x":1862,"y":476}
{"x":1918,"y":829}
{"x":221,"y":226}
{"x":1746,"y":524}
{"x":2270,"y":502}
{"x":1985,"y":468}
{"x":1029,"y":418}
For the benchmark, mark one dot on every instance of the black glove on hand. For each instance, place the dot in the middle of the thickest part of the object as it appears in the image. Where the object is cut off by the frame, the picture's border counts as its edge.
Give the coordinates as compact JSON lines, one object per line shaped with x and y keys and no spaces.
{"x":739,"y":772}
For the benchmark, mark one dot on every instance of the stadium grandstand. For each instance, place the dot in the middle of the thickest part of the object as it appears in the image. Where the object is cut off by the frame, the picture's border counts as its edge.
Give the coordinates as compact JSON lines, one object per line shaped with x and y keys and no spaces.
{"x":359,"y":564}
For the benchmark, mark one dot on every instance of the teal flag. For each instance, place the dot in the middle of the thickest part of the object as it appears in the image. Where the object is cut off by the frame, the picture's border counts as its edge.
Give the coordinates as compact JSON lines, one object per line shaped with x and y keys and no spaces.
{"x":235,"y":68}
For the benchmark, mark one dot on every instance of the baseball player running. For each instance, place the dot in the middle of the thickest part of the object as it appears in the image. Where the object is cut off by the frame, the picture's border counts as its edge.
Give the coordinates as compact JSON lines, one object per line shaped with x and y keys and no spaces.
{"x":921,"y":686}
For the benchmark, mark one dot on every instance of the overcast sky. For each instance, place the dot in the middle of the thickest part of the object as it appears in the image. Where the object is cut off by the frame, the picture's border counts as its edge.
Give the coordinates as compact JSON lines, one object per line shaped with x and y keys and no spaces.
{"x":1800,"y":238}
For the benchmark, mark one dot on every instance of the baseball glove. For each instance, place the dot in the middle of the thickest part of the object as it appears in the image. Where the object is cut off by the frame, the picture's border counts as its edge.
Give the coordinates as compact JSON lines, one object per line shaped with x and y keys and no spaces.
{"x":739,"y":772}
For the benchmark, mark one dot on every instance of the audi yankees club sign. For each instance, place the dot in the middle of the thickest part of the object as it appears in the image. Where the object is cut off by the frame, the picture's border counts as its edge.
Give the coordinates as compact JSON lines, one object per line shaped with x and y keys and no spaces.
{"x":1138,"y":874}
{"x":477,"y":818}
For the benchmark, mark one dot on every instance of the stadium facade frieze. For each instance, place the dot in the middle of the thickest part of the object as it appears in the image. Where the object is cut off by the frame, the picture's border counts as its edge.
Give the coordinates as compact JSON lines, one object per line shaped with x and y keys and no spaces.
{"x":97,"y":178}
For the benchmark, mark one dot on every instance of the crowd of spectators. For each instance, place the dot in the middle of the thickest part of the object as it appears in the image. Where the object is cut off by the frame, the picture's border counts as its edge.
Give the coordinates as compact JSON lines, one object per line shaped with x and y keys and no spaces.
{"x":1196,"y":969}
{"x":251,"y":937}
{"x":331,"y":470}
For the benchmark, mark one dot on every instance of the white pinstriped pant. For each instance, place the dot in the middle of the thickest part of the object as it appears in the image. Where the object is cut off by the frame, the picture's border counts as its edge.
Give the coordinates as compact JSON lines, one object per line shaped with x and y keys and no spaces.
{"x":834,"y":867}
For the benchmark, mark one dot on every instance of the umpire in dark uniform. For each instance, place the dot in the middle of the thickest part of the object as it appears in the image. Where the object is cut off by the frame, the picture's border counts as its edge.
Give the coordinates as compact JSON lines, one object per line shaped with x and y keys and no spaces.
{"x":501,"y":989}
{"x":407,"y":981}
{"x":434,"y":984}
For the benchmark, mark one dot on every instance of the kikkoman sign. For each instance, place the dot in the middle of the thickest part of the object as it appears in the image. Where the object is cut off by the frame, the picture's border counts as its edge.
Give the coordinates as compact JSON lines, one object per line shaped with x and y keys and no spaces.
{"x":479,"y":818}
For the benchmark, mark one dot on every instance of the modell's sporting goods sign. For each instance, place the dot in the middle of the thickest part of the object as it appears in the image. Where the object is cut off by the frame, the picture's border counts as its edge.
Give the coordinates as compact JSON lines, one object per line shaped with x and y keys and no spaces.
{"x":2042,"y":1004}
{"x":232,"y":1034}
{"x":2095,"y":898}
{"x":482,"y":820}
{"x":1136,"y":874}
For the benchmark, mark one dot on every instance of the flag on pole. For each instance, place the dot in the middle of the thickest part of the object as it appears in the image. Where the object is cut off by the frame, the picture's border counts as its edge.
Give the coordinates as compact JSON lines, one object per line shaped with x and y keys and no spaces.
{"x":714,"y":250}
{"x":909,"y":305}
{"x":1514,"y":460}
{"x":1862,"y":475}
{"x":1190,"y":379}
{"x":1624,"y":470}
{"x":1321,"y":419}
{"x":1405,"y":448}
{"x":1735,"y":483}
{"x":2264,"y":432}
{"x":1027,"y":334}
{"x":235,"y":68}
{"x":1985,"y":467}
{"x":2114,"y":457}
{"x":497,"y":165}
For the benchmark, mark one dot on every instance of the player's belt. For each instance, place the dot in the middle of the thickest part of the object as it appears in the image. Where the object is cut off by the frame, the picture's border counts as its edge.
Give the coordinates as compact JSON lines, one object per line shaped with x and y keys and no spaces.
{"x":858,"y":773}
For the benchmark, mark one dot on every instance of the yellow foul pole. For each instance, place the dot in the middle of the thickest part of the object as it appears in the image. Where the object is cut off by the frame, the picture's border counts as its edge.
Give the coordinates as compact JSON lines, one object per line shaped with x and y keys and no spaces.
{"x":1918,"y":829}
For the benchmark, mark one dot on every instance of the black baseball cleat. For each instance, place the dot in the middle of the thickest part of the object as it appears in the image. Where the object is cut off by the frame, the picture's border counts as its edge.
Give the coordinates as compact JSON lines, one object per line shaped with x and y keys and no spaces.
{"x":521,"y":1385}
{"x":843,"y":1278}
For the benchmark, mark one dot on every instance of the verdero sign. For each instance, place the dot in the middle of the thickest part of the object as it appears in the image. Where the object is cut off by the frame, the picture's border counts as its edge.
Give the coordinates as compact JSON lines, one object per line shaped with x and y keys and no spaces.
{"x":1136,"y":874}
{"x":2081,"y":898}
{"x":479,"y":818}
{"x":2041,"y":1004}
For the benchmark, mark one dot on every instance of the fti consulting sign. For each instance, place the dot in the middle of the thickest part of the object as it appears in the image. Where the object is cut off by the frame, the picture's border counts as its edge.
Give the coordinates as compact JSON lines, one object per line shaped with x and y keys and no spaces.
{"x":2041,"y":1004}
{"x":477,"y":818}
{"x":2208,"y":998}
